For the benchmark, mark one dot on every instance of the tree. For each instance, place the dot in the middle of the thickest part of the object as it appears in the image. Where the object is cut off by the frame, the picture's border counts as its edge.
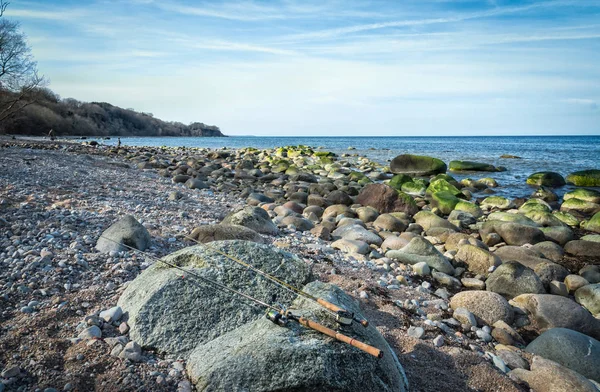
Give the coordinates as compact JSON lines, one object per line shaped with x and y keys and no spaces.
{"x":20,"y":83}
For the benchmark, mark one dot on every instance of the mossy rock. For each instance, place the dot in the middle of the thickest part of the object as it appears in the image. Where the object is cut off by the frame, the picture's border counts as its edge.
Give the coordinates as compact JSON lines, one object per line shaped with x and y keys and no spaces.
{"x":579,"y":205}
{"x":292,"y":170}
{"x":444,"y":201}
{"x":417,"y":165}
{"x":281,"y":152}
{"x":365,"y":181}
{"x":471,"y":166}
{"x":490,"y":182}
{"x":471,"y":208}
{"x":356,"y":175}
{"x":535,"y":205}
{"x":325,"y":160}
{"x":399,"y":179}
{"x":583,"y":194}
{"x":320,"y":154}
{"x":499,"y":202}
{"x":584,"y":178}
{"x":447,"y":177}
{"x":442,"y":185}
{"x":593,"y":224}
{"x":591,"y":238}
{"x":280,"y":166}
{"x":413,"y":188}
{"x":545,"y":194}
{"x":544,"y":218}
{"x":567,"y":218}
{"x":508,"y":217}
{"x":547,"y":178}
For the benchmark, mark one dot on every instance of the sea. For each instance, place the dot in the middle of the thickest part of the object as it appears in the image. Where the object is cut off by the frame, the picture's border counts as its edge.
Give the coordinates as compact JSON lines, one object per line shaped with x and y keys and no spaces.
{"x":562,"y":154}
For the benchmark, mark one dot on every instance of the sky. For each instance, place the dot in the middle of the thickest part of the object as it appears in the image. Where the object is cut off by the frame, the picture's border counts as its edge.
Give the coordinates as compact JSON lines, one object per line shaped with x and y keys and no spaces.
{"x":329,"y":68}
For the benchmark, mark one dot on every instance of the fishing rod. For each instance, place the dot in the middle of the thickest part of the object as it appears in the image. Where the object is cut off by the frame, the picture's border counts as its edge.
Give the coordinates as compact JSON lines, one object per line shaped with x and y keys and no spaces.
{"x":342,"y":316}
{"x":276,"y":314}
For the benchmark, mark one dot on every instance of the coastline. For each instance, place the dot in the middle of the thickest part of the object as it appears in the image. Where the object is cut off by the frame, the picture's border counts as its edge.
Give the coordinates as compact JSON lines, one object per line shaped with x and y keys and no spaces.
{"x":58,"y":197}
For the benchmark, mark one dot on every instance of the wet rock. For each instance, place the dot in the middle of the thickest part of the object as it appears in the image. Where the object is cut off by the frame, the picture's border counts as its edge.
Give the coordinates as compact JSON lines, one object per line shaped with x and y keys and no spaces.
{"x":550,"y":250}
{"x":417,"y":165}
{"x":356,"y":233}
{"x":525,"y":256}
{"x":549,"y":179}
{"x":514,"y":233}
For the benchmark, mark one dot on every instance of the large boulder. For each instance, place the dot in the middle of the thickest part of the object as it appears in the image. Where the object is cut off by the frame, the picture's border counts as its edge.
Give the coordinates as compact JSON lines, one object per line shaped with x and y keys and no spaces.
{"x":262,"y":356}
{"x":513,"y":233}
{"x":571,"y":349}
{"x":512,"y":279}
{"x":579,"y":206}
{"x":420,"y":250}
{"x":583,"y":194}
{"x":254,"y":218}
{"x":584,"y":178}
{"x":222,"y":232}
{"x":526,"y":256}
{"x":549,"y":179}
{"x":547,"y":311}
{"x":477,"y":259}
{"x":549,"y":376}
{"x":458,"y":166}
{"x":487,"y":307}
{"x":126,"y":231}
{"x":417,"y":165}
{"x":174,"y":315}
{"x":384,"y":199}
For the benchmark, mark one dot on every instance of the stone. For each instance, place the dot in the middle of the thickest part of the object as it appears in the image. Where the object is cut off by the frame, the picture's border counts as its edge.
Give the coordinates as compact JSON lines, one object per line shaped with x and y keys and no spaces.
{"x":549,"y":179}
{"x":550,"y":250}
{"x":497,"y":202}
{"x":588,"y":296}
{"x":579,"y":206}
{"x":574,"y":282}
{"x":546,"y":375}
{"x":460,"y":166}
{"x":356,"y":233}
{"x":339,"y":197}
{"x":514,"y":233}
{"x":417,"y":165}
{"x":367,"y":214}
{"x":583,"y":248}
{"x":126,"y":231}
{"x":558,"y":288}
{"x":453,"y":240}
{"x":472,"y":283}
{"x":10,"y":372}
{"x":351,"y":246}
{"x":394,"y":242}
{"x":389,"y":222}
{"x":416,"y":332}
{"x":525,"y":256}
{"x":132,"y":351}
{"x":321,"y":232}
{"x":559,"y":234}
{"x":441,"y":185}
{"x":463,"y":316}
{"x":222,"y":232}
{"x":446,"y":280}
{"x":593,"y":224}
{"x":254,"y":218}
{"x":444,"y":201}
{"x":591,"y":273}
{"x":421,"y":269}
{"x":92,"y":332}
{"x":284,"y":359}
{"x":112,"y":314}
{"x":584,"y":194}
{"x":194,"y":183}
{"x":386,"y":199}
{"x":421,"y":250}
{"x":547,"y":311}
{"x":512,"y":359}
{"x":549,"y":271}
{"x":488,"y":307}
{"x":429,"y":220}
{"x":301,"y":224}
{"x":584,"y":178}
{"x":199,"y":313}
{"x":571,"y":349}
{"x":478,"y":260}
{"x":506,"y":335}
{"x":438,"y":341}
{"x":512,"y":279}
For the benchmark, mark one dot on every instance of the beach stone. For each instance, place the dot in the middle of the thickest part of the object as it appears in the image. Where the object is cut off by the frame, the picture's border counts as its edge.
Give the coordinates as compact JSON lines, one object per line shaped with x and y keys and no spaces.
{"x":351,"y":246}
{"x":549,"y":271}
{"x":421,"y":250}
{"x":590,"y":195}
{"x":593,"y":224}
{"x":512,"y":359}
{"x":132,"y":351}
{"x":254,"y":218}
{"x":511,"y":217}
{"x":591,"y":273}
{"x":588,"y":296}
{"x":339,"y":197}
{"x":547,"y":311}
{"x":415,"y":332}
{"x":453,"y":240}
{"x":386,"y":199}
{"x":317,"y":200}
{"x":528,"y":257}
{"x":398,"y":180}
{"x":478,"y":260}
{"x":394,"y":242}
{"x":488,"y":307}
{"x":549,"y":179}
{"x":534,"y":206}
{"x":112,"y":314}
{"x":550,"y":250}
{"x":473,"y":283}
{"x":417,"y":165}
{"x":546,"y":375}
{"x":446,"y":280}
{"x":194,"y":183}
{"x":221,"y":232}
{"x":584,"y":178}
{"x":338,"y":209}
{"x":574,"y":282}
{"x":583,"y":248}
{"x":497,"y":202}
{"x":421,"y":269}
{"x":127,"y":231}
{"x":444,"y":202}
{"x":428,"y":220}
{"x":514,"y":233}
{"x":367,"y":214}
{"x":581,"y":206}
{"x":505,"y":334}
{"x":545,"y":194}
{"x":459,"y":166}
{"x":389,"y":222}
{"x":571,"y":349}
{"x":558,"y":234}
{"x":301,"y":224}
{"x":558,"y":288}
{"x":92,"y":332}
{"x":463,"y":316}
{"x":567,"y":218}
{"x":471,"y":209}
{"x":284,"y":359}
{"x":321,"y":232}
{"x":199,"y":313}
{"x":512,"y":279}
{"x":255,"y":199}
{"x":9,"y":372}
{"x":357,"y":233}
{"x":442,"y":185}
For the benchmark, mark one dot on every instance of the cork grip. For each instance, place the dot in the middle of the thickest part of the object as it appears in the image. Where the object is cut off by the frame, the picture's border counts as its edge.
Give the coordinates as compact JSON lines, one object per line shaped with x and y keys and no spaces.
{"x":329,"y":305}
{"x":342,"y":338}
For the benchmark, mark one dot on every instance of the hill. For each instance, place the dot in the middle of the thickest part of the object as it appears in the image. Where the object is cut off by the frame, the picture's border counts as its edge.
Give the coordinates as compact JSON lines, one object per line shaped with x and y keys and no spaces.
{"x":70,"y":117}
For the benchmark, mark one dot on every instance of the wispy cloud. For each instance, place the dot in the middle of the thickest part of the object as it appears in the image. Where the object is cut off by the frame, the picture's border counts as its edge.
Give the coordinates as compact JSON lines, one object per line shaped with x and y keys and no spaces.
{"x":63,"y":15}
{"x":590,"y":103}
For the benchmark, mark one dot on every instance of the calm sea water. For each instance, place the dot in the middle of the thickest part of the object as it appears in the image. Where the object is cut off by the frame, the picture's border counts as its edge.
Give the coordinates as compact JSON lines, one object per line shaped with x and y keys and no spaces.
{"x":562,"y":154}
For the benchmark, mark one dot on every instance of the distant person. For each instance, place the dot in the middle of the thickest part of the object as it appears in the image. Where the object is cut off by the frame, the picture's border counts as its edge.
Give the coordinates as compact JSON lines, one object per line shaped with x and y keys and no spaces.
{"x":51,"y":134}
{"x":119,"y":143}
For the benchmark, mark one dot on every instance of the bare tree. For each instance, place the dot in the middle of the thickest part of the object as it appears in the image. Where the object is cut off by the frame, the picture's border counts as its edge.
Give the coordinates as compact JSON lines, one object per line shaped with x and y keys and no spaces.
{"x":20,"y":82}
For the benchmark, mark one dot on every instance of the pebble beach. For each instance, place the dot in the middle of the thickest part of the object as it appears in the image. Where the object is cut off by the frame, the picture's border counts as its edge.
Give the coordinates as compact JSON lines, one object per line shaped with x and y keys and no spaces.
{"x":463,"y":286}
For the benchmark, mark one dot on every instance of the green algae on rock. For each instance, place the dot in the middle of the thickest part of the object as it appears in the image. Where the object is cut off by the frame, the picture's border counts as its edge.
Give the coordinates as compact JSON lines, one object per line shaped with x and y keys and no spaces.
{"x":584,"y":178}
{"x":417,"y":165}
{"x":471,"y":166}
{"x":547,"y":178}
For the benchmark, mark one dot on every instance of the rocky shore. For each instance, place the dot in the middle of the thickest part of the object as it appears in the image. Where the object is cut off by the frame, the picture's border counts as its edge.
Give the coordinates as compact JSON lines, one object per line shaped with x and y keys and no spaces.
{"x":471,"y":291}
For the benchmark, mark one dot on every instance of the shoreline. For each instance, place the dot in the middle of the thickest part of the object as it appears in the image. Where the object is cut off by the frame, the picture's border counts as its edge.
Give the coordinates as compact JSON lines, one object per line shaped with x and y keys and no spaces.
{"x":80,"y":190}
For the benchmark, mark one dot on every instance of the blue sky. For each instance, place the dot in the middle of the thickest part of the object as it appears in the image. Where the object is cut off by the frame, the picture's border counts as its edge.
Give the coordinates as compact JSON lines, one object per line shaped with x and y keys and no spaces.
{"x":411,"y":67}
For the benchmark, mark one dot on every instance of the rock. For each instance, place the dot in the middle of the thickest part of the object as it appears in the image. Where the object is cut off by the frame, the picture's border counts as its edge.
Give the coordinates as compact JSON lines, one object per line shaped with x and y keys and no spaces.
{"x":394,"y":242}
{"x":254,"y":218}
{"x":583,"y":194}
{"x":194,"y":183}
{"x":417,"y":165}
{"x":459,"y":166}
{"x":558,"y":288}
{"x":421,"y":269}
{"x":367,"y":214}
{"x":535,"y":205}
{"x":478,"y":260}
{"x":455,"y":238}
{"x":339,"y":197}
{"x":301,"y":224}
{"x":222,"y":232}
{"x":581,"y":206}
{"x":132,"y":351}
{"x":471,"y":208}
{"x":591,"y":273}
{"x":10,"y":372}
{"x":512,"y":279}
{"x":528,"y":257}
{"x":428,"y":220}
{"x":389,"y":222}
{"x":512,"y":359}
{"x":472,"y":283}
{"x":511,"y":217}
{"x":446,"y":280}
{"x":421,"y":250}
{"x":574,"y":282}
{"x":399,"y":179}
{"x":92,"y":332}
{"x":438,"y":341}
{"x":514,"y":233}
{"x":547,"y":311}
{"x":505,"y":334}
{"x":255,"y":199}
{"x":416,"y":332}
{"x":444,"y":201}
{"x":548,"y":271}
{"x":593,"y":224}
{"x":571,"y":349}
{"x":566,"y":218}
{"x":584,"y":178}
{"x":549,"y":376}
{"x":127,"y":231}
{"x":545,"y":194}
{"x":357,"y":233}
{"x":583,"y":248}
{"x":488,"y":307}
{"x":550,"y":250}
{"x":385,"y":199}
{"x":497,"y":202}
{"x":321,"y":232}
{"x":283,"y":359}
{"x":112,"y":314}
{"x":441,"y":185}
{"x":549,"y":179}
{"x":559,"y":234}
{"x":463,"y":316}
{"x":351,"y":246}
{"x":588,"y":296}
{"x":197,"y":312}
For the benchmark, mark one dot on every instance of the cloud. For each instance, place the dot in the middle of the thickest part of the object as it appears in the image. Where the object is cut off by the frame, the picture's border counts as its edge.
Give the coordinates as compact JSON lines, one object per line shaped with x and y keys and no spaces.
{"x":590,"y":103}
{"x":63,"y":15}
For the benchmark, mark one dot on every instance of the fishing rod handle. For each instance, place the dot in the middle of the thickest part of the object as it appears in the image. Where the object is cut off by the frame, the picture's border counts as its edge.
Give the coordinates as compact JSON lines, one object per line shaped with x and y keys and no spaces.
{"x":339,"y":310}
{"x":342,"y":338}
